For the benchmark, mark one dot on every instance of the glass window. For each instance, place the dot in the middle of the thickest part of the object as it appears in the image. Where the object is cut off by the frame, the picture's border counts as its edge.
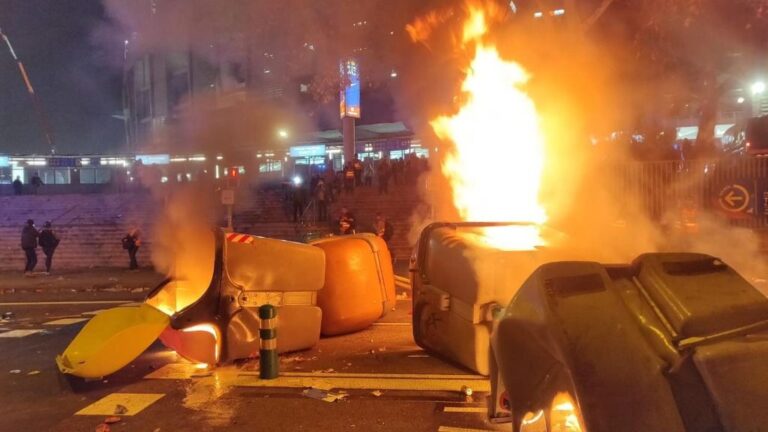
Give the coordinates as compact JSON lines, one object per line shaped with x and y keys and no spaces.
{"x":271,"y":166}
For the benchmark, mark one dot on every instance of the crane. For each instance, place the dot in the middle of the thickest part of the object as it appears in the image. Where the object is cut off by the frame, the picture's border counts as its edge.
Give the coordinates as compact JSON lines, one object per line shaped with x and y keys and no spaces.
{"x":41,"y":115}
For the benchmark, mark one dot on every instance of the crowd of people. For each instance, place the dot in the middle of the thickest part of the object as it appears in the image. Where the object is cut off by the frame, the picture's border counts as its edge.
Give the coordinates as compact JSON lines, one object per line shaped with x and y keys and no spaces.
{"x":368,"y":176}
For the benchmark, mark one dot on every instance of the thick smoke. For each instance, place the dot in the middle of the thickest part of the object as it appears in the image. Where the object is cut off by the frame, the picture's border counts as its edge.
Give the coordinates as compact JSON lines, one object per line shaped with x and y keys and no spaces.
{"x":593,"y":190}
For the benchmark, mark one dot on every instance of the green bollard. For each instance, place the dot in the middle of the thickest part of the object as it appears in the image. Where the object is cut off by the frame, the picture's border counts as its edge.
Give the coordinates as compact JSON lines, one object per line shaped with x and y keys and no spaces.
{"x":269,"y":363}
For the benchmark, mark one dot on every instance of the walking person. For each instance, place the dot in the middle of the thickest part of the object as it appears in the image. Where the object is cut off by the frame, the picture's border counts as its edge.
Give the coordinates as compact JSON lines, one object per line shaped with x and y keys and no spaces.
{"x":29,"y":237}
{"x":49,"y":241}
{"x":132,"y":243}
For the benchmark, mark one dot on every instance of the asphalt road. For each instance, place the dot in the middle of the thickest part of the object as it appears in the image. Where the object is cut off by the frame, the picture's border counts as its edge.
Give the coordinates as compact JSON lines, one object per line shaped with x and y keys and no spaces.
{"x":385,"y":381}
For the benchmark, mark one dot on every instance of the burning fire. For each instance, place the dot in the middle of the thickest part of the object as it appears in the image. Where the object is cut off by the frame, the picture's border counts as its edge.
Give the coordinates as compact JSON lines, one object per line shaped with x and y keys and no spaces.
{"x":496,"y":163}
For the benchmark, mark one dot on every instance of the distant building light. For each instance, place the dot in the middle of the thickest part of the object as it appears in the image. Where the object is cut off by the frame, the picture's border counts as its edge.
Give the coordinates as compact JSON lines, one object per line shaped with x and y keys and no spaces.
{"x":393,"y":74}
{"x":513,"y":6}
{"x":758,"y":88}
{"x":740,"y":100}
{"x":219,"y":157}
{"x":178,"y":159}
{"x":198,"y":158}
{"x":558,"y":12}
{"x":538,"y":14}
{"x":266,"y":71}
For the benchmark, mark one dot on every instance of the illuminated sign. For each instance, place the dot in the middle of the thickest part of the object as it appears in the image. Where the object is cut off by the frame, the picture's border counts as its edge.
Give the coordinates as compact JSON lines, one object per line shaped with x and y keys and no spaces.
{"x":307,"y":151}
{"x":5,"y":161}
{"x":158,"y":159}
{"x":62,"y":162}
{"x":349,"y":105}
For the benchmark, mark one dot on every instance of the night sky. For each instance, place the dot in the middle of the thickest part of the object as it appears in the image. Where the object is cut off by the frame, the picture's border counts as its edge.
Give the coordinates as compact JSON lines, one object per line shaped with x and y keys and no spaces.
{"x":76,"y":84}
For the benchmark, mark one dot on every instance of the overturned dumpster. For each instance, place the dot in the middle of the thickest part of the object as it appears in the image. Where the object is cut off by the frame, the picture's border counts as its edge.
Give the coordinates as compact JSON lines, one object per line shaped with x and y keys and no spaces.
{"x":208,"y":313}
{"x":672,"y":342}
{"x":359,"y":283}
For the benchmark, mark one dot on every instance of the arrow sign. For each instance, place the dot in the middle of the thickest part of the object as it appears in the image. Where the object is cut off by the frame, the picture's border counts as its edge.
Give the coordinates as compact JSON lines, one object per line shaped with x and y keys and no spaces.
{"x":734,"y":198}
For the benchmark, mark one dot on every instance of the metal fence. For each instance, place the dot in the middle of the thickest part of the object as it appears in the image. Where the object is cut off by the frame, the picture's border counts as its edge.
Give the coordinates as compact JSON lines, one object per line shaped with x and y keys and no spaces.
{"x":735,"y":189}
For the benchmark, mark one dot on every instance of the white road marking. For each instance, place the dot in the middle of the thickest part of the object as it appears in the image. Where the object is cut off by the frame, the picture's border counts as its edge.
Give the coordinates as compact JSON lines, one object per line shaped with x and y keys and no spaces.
{"x":456,"y":429}
{"x":455,"y":409}
{"x":53,"y":303}
{"x":391,"y":324}
{"x":66,"y":321}
{"x":133,"y":403}
{"x":19,"y":333}
{"x":96,"y":312}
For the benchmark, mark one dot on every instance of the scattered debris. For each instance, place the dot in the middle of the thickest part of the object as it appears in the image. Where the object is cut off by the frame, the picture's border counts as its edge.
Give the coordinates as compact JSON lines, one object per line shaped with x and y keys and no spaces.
{"x":112,"y":420}
{"x":7,"y":316}
{"x":418,"y":356}
{"x":113,"y":279}
{"x":120,"y":409}
{"x":34,"y":372}
{"x":466,"y":391}
{"x":377,"y":393}
{"x":137,"y":290}
{"x":323,"y":395}
{"x":103,"y":427}
{"x":15,"y":371}
{"x":382,"y":349}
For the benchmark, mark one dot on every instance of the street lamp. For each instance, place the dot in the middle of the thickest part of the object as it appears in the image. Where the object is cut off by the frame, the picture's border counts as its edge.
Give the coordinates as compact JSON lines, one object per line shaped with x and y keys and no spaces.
{"x":758,"y":88}
{"x":282,"y":133}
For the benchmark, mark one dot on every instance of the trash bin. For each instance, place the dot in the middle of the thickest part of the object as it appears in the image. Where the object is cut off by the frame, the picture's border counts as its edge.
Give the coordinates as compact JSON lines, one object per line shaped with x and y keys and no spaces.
{"x":672,"y":341}
{"x":458,"y":284}
{"x":209,"y":312}
{"x":250,"y":271}
{"x":359,"y":283}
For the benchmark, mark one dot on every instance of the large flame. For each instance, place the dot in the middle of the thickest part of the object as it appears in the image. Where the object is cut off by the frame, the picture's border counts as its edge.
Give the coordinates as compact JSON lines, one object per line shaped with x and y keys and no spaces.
{"x":496,"y":163}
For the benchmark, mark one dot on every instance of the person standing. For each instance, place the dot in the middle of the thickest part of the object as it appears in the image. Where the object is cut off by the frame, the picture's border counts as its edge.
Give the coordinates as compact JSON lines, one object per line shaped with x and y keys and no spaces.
{"x":346,"y":222}
{"x":383,"y":171}
{"x":321,"y":198}
{"x":49,"y":241}
{"x":36,"y":182}
{"x":18,"y":187}
{"x":132,"y":243}
{"x":29,"y":237}
{"x":383,"y":228}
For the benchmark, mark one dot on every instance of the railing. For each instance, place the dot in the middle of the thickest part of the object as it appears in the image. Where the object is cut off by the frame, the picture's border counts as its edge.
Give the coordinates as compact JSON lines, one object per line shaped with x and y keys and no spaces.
{"x":734,"y":188}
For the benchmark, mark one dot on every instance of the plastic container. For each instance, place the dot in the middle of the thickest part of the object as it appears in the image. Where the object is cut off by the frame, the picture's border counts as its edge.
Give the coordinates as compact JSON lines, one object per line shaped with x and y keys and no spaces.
{"x":359,"y":283}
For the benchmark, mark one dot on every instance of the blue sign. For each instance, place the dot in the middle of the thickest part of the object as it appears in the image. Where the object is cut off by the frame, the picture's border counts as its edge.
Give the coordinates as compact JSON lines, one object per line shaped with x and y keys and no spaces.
{"x":349,"y":105}
{"x":5,"y":161}
{"x":307,"y":151}
{"x":158,"y":159}
{"x":58,"y":162}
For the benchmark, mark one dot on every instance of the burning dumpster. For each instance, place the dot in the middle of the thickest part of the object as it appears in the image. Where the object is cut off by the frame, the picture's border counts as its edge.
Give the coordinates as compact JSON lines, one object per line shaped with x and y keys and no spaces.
{"x":359,"y":283}
{"x":672,"y":342}
{"x":209,"y":312}
{"x":460,"y":283}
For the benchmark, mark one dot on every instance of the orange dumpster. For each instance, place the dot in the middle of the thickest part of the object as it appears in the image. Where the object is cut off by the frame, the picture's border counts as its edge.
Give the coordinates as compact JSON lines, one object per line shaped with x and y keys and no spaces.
{"x":359,"y":283}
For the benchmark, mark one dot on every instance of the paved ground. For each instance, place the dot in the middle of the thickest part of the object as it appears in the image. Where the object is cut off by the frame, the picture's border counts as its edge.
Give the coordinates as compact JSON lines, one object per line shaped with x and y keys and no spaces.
{"x":390,"y":384}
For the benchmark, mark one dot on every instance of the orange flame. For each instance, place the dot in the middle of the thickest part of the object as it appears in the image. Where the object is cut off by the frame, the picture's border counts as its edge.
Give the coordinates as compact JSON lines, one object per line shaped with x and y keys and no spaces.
{"x":497,"y":160}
